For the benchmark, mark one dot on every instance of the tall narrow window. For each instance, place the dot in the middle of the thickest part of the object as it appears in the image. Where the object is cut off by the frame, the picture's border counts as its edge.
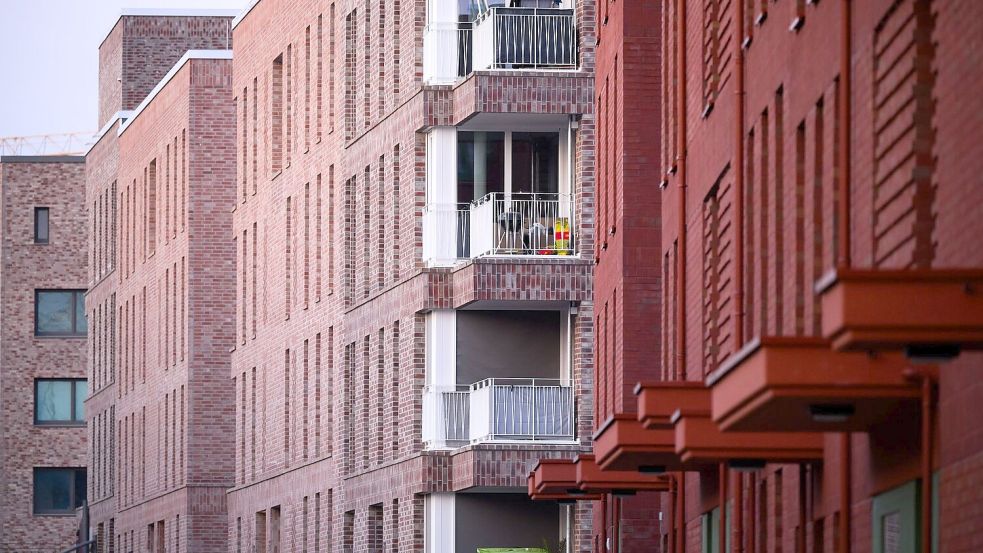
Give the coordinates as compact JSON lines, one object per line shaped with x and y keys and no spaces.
{"x":40,"y":225}
{"x":276,"y":111}
{"x":288,"y":111}
{"x":320,"y":78}
{"x":245,"y":141}
{"x":307,"y":244}
{"x":318,"y":245}
{"x":331,"y":69}
{"x":286,"y":407}
{"x":350,"y":53}
{"x":307,"y":88}
{"x":395,"y":214}
{"x":331,"y":229}
{"x":288,"y":262}
{"x":151,"y":215}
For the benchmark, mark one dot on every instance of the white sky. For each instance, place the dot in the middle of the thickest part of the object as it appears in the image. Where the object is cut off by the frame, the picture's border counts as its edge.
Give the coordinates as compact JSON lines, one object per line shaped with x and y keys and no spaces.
{"x":49,"y":60}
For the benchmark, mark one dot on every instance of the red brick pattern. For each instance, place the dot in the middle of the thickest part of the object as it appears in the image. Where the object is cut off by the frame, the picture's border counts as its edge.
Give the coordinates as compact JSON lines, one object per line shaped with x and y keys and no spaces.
{"x":911,"y":180}
{"x":27,"y":183}
{"x":342,"y":266}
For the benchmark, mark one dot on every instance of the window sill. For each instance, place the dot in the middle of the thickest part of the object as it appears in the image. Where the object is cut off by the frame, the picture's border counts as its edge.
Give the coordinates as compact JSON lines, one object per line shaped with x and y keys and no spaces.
{"x":59,"y":514}
{"x":59,"y":425}
{"x":60,"y":336}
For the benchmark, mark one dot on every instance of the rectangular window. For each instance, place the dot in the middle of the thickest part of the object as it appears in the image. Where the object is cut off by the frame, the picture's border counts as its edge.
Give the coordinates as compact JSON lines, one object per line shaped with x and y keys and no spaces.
{"x":58,"y":490}
{"x":60,"y":401}
{"x":59,"y":313}
{"x":40,"y":225}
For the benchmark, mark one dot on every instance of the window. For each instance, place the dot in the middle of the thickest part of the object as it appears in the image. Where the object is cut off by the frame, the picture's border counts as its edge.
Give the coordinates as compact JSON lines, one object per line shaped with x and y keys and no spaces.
{"x":710,"y":531}
{"x":60,"y":401}
{"x":58,"y":490}
{"x":40,"y":225}
{"x":59,"y":313}
{"x":507,"y":162}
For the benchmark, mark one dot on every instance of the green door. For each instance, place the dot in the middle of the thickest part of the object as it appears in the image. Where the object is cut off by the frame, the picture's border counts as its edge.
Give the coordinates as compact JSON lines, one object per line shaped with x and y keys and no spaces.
{"x":895,"y":525}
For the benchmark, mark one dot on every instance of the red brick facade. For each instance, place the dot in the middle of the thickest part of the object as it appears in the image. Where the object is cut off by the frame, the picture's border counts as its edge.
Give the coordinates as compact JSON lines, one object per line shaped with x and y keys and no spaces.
{"x":912,"y":180}
{"x":56,"y":183}
{"x":160,"y":306}
{"x":332,"y":288}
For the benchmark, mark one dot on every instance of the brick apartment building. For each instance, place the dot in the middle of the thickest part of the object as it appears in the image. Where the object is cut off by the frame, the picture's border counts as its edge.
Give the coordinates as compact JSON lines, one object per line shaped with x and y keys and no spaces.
{"x":412,"y":222}
{"x":42,"y":351}
{"x":407,"y":216}
{"x":820,"y":320}
{"x":159,"y":180}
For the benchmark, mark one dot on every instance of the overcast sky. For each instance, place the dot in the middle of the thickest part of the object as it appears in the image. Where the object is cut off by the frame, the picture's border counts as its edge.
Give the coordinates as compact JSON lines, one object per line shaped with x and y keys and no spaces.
{"x":49,"y":60}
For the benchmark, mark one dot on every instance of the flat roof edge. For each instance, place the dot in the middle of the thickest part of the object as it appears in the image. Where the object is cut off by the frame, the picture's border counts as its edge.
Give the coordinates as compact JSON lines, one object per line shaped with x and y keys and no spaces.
{"x":121,"y":115}
{"x":188,"y":56}
{"x":242,"y":15}
{"x":166,"y":12}
{"x":42,"y":159}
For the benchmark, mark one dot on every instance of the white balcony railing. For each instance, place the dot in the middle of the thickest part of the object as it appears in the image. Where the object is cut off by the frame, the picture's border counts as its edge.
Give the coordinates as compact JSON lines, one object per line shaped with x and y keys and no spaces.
{"x":513,"y":38}
{"x":447,"y":52}
{"x":500,"y":225}
{"x":499,"y":409}
{"x":522,"y":224}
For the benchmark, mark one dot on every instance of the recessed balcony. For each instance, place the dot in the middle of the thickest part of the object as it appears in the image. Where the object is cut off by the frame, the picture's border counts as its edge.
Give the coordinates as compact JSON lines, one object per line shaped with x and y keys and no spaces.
{"x":499,"y":193}
{"x":501,"y":409}
{"x":531,"y":36}
{"x":501,"y":225}
{"x":497,"y":376}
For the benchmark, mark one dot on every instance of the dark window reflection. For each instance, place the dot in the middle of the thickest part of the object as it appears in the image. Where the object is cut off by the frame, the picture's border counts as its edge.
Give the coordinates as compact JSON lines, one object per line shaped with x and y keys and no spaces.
{"x":480,"y":164}
{"x":535,"y":162}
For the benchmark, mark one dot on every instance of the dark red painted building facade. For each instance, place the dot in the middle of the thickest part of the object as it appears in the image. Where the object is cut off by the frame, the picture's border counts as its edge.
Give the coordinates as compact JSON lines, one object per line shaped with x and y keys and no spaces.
{"x":813,"y":301}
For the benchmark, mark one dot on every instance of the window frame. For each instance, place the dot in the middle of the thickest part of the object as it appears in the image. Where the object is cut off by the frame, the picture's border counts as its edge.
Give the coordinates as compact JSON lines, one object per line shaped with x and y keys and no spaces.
{"x":74,"y":408}
{"x":47,"y":224}
{"x":77,"y":295}
{"x":76,"y":472}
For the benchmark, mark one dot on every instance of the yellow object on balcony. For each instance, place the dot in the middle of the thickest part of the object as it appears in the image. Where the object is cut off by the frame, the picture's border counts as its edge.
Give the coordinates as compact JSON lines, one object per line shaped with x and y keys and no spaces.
{"x":561,"y":235}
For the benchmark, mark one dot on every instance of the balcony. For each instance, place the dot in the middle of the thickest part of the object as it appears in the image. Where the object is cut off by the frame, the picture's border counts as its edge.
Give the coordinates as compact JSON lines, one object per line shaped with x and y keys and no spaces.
{"x":499,"y":409}
{"x":500,"y":38}
{"x":526,"y":38}
{"x":501,"y":225}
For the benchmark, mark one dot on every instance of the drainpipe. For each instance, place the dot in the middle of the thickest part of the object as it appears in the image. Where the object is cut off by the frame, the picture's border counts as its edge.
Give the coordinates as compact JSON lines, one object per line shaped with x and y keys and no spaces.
{"x":739,"y":514}
{"x":616,"y":524}
{"x":723,"y":508}
{"x":681,"y":206}
{"x":681,"y":261}
{"x":739,"y":237}
{"x":928,"y":377}
{"x":845,"y":470}
{"x":604,"y":523}
{"x":753,"y":496}
{"x":844,"y":240}
{"x":671,"y":522}
{"x":845,"y":115}
{"x":801,"y":545}
{"x":681,"y":514}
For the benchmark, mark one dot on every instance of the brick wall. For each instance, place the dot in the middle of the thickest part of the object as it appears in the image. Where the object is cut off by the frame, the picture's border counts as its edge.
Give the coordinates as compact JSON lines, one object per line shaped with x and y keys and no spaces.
{"x":27,"y":183}
{"x":909,"y":190}
{"x":331,"y":287}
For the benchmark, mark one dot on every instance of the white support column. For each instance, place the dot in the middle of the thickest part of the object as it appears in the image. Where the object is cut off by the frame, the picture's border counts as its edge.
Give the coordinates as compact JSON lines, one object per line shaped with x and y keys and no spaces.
{"x":441,"y":219}
{"x":441,"y":373}
{"x":566,"y":347}
{"x":440,"y":523}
